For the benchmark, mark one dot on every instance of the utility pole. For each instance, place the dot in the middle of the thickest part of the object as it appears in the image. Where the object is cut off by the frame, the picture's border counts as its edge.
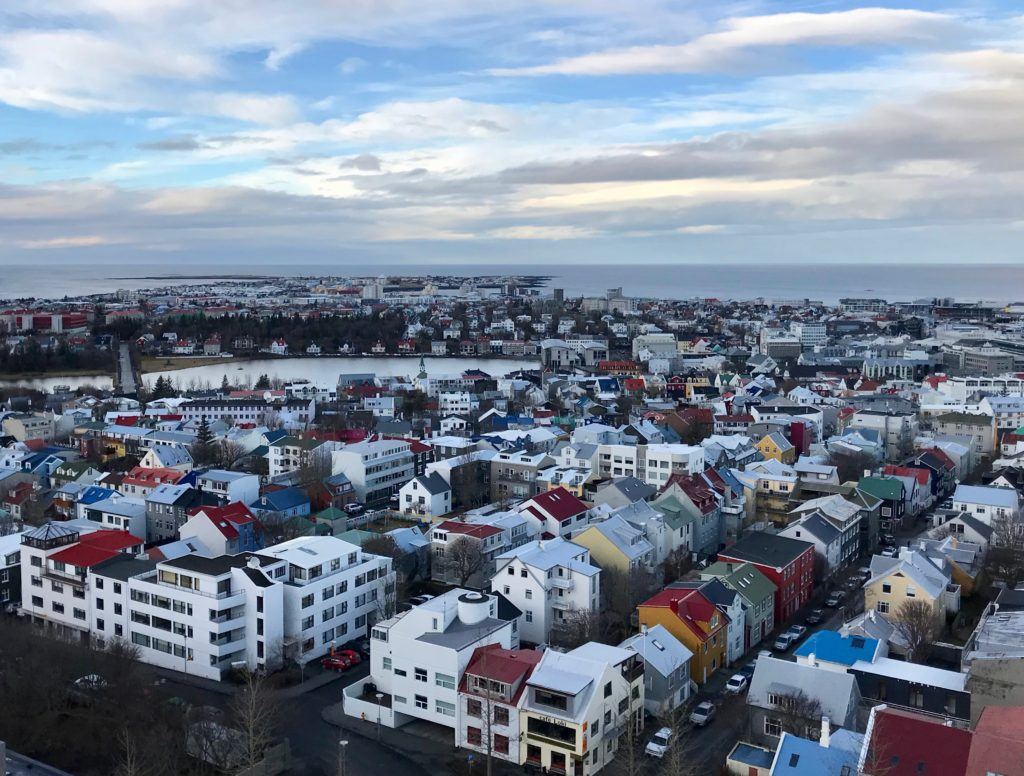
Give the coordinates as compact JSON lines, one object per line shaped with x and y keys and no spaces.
{"x":342,"y":744}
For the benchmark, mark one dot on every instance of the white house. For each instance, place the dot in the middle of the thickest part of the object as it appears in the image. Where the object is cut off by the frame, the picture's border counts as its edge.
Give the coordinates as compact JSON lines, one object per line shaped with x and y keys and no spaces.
{"x":426,"y":496}
{"x":376,"y":468}
{"x":987,"y":504}
{"x":457,"y":403}
{"x":549,"y":581}
{"x":230,"y":486}
{"x":167,"y":457}
{"x":417,"y":658}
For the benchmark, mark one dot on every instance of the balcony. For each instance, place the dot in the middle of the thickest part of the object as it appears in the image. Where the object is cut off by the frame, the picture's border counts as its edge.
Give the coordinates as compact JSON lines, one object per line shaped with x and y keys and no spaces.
{"x":65,"y":577}
{"x":562,"y":583}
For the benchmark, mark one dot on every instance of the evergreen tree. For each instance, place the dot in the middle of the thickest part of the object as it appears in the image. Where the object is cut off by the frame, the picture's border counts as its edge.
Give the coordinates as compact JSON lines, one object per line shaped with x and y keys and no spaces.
{"x":203,"y":449}
{"x":225,"y":386}
{"x":263,"y":383}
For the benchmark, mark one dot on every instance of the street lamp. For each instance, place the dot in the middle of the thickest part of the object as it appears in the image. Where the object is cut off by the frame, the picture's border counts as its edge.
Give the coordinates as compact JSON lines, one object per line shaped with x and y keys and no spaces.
{"x":380,"y":696}
{"x":341,"y":757}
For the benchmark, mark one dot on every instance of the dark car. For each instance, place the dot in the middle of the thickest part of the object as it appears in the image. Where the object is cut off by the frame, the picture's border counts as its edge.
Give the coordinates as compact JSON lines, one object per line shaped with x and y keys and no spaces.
{"x":834,"y":599}
{"x":816,"y":617}
{"x":747,"y":671}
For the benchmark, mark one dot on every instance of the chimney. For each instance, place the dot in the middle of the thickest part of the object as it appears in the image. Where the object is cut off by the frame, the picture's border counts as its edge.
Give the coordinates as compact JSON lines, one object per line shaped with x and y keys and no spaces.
{"x":825,"y":732}
{"x":811,"y":660}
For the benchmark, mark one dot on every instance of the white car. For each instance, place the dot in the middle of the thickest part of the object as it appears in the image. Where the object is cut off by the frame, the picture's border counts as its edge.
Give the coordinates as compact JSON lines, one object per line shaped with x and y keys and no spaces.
{"x":702,"y":714}
{"x":796,"y":631}
{"x":658,"y":745}
{"x":737,"y":683}
{"x":783,"y":642}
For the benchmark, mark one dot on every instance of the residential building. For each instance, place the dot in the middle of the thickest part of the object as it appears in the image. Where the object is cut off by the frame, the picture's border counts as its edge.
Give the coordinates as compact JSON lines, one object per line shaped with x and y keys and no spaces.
{"x":913,"y":576}
{"x":226,"y":530}
{"x":787,"y":563}
{"x":904,"y":743}
{"x":695,"y":621}
{"x":578,"y":706}
{"x":666,"y":661}
{"x":757,"y":598}
{"x":552,"y":582}
{"x":556,"y":512}
{"x":913,"y":686}
{"x":618,"y":546}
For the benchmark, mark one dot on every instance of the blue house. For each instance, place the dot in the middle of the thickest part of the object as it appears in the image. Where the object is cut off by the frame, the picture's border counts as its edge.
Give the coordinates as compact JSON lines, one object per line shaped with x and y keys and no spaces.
{"x":835,"y":754}
{"x":279,"y":505}
{"x":838,"y":651}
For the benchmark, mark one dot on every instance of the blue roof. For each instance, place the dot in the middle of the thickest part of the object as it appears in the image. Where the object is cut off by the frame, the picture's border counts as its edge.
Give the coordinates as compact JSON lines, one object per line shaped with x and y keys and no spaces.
{"x":95,"y":493}
{"x":800,"y":757}
{"x":273,"y":436}
{"x":832,"y":647}
{"x":280,"y":500}
{"x":748,"y":754}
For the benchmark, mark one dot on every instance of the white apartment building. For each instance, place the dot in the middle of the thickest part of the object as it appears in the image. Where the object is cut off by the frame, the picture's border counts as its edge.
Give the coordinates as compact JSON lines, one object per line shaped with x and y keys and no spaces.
{"x":55,"y":563}
{"x":290,"y":453}
{"x":381,"y":406}
{"x":578,"y":705}
{"x":897,"y":431}
{"x":457,"y":403}
{"x":333,"y":591}
{"x":987,"y":504}
{"x":205,"y":616}
{"x":653,"y":464}
{"x":376,"y":468}
{"x":810,"y":333}
{"x":417,"y":658}
{"x":548,"y":580}
{"x":654,"y":345}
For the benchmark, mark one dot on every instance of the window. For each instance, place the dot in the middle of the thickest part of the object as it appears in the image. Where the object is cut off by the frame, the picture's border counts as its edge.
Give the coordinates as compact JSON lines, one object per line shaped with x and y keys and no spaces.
{"x":307,"y":600}
{"x":882,"y":607}
{"x":99,"y":624}
{"x":529,"y":616}
{"x":911,"y":591}
{"x":772,"y":727}
{"x":327,"y":614}
{"x":473,"y":737}
{"x":400,"y":672}
{"x":474,"y":708}
{"x":545,"y":698}
{"x":421,"y":674}
{"x":386,"y":663}
{"x":328,"y":592}
{"x":444,"y":680}
{"x":307,"y":622}
{"x":445,"y":709}
{"x":886,"y":587}
{"x":421,"y":702}
{"x":917,"y":698}
{"x":501,"y":716}
{"x":500,"y":744}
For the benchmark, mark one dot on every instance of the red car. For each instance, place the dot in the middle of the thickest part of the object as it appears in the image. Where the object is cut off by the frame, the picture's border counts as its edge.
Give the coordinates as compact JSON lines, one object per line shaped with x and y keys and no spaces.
{"x":350,"y":655}
{"x":336,"y":663}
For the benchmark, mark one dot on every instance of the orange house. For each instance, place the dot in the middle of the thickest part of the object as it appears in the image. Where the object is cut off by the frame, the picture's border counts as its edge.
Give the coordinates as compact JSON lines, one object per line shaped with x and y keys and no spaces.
{"x":695,"y":621}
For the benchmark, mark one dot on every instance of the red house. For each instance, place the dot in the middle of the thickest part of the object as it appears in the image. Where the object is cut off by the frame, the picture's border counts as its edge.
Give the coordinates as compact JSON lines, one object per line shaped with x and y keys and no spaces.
{"x":788,"y":563}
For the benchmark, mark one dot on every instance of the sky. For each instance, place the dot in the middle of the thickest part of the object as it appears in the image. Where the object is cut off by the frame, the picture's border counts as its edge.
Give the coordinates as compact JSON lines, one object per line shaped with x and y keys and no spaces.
{"x":351,"y":132}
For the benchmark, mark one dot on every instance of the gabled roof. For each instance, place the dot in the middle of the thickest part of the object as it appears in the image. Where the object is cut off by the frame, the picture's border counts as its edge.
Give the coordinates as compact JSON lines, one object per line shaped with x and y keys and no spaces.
{"x":659,"y":649}
{"x":802,"y":757}
{"x":1007,"y":498}
{"x":507,"y":666}
{"x":559,"y":504}
{"x":474,"y":531}
{"x":998,"y":742}
{"x":901,"y":743}
{"x":691,"y":606}
{"x":836,"y":691}
{"x":766,"y":549}
{"x":95,"y":547}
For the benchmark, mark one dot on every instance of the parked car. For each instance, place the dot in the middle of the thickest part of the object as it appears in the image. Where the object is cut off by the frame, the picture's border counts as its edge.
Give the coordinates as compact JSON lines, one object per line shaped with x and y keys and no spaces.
{"x":890,"y":552}
{"x":420,"y":599}
{"x":659,"y":744}
{"x":355,"y":509}
{"x":797,"y":631}
{"x":737,"y":683}
{"x":815,"y":617}
{"x":351,"y":655}
{"x":336,"y":662}
{"x":864,"y":573}
{"x":702,"y":713}
{"x":747,"y":671}
{"x":784,"y":642}
{"x":887,"y":540}
{"x":834,"y":599}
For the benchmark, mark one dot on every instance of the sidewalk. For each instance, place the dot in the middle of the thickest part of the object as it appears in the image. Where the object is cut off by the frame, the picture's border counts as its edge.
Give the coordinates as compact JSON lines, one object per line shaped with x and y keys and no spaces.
{"x":314,"y":682}
{"x":431,"y":753}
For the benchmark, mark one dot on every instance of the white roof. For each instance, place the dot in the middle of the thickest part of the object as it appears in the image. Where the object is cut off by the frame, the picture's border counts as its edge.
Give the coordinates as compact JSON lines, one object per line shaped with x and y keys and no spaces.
{"x":980,"y":494}
{"x":914,"y":672}
{"x":308,"y":551}
{"x":659,"y":649}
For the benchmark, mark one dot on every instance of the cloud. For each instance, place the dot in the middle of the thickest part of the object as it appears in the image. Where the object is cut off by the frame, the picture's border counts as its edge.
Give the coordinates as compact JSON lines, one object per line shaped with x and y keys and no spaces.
{"x":729,"y":48}
{"x":278,"y":55}
{"x":265,"y":109}
{"x":80,"y":241}
{"x":533,"y":232}
{"x":177,"y":143}
{"x":350,"y":65}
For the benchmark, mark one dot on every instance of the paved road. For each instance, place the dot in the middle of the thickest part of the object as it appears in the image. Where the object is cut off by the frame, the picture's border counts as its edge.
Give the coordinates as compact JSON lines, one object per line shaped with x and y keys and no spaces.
{"x":125,"y":374}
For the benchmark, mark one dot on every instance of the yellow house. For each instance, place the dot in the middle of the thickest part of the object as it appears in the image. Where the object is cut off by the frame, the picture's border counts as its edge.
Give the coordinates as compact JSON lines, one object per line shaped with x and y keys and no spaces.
{"x":687,"y":614}
{"x":776,"y":447}
{"x":616,"y":545}
{"x":911,"y":577}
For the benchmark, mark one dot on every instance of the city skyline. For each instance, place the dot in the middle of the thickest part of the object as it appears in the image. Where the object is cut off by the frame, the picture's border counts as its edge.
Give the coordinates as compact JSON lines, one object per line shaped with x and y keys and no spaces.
{"x":532,"y":132}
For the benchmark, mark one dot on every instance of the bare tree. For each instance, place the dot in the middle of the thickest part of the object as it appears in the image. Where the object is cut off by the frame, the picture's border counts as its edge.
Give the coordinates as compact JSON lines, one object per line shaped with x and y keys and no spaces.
{"x":578,"y":626}
{"x":851,"y":466}
{"x":798,"y":714}
{"x":463,"y":559}
{"x":228,"y":453}
{"x":130,"y":761}
{"x":918,"y":623}
{"x":256,"y":713}
{"x":469,"y":488}
{"x":1005,"y":559}
{"x":315,"y":468}
{"x":681,"y":758}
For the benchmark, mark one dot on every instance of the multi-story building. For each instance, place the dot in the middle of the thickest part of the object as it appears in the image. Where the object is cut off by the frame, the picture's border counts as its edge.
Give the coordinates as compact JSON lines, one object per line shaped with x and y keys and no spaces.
{"x":695,"y":621}
{"x":291,"y":453}
{"x":417,"y":658}
{"x":788,"y":564}
{"x":757,"y":598}
{"x":10,"y":570}
{"x":491,"y":694}
{"x":228,"y":486}
{"x":556,"y":512}
{"x":578,"y":705}
{"x":514,"y":474}
{"x":55,"y":562}
{"x":551,"y":582}
{"x":376,"y":468}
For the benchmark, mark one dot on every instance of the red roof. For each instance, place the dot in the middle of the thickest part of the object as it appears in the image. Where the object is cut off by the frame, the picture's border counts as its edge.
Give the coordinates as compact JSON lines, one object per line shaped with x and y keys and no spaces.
{"x":225,"y":518}
{"x":469,"y":529}
{"x":906,"y":744}
{"x":140,"y":475}
{"x":998,"y":743}
{"x":690,"y":605}
{"x":559,"y":504}
{"x":921,"y":475}
{"x":96,"y":547}
{"x":502,"y":665}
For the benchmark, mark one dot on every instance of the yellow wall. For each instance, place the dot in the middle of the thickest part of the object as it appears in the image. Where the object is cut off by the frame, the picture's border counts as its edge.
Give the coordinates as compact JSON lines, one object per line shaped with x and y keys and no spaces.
{"x":897,"y":595}
{"x":705,"y":661}
{"x":603,"y":552}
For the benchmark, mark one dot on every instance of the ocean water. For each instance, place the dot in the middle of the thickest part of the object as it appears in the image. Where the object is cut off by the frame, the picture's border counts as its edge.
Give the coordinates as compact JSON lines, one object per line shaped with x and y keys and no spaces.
{"x":823,"y":282}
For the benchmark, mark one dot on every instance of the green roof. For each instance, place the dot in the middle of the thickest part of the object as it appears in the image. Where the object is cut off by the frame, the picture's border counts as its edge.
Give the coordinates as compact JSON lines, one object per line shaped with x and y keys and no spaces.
{"x":744,"y":578}
{"x":886,"y":488}
{"x":331,"y":514}
{"x":677,"y":514}
{"x":303,"y":526}
{"x":357,"y":536}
